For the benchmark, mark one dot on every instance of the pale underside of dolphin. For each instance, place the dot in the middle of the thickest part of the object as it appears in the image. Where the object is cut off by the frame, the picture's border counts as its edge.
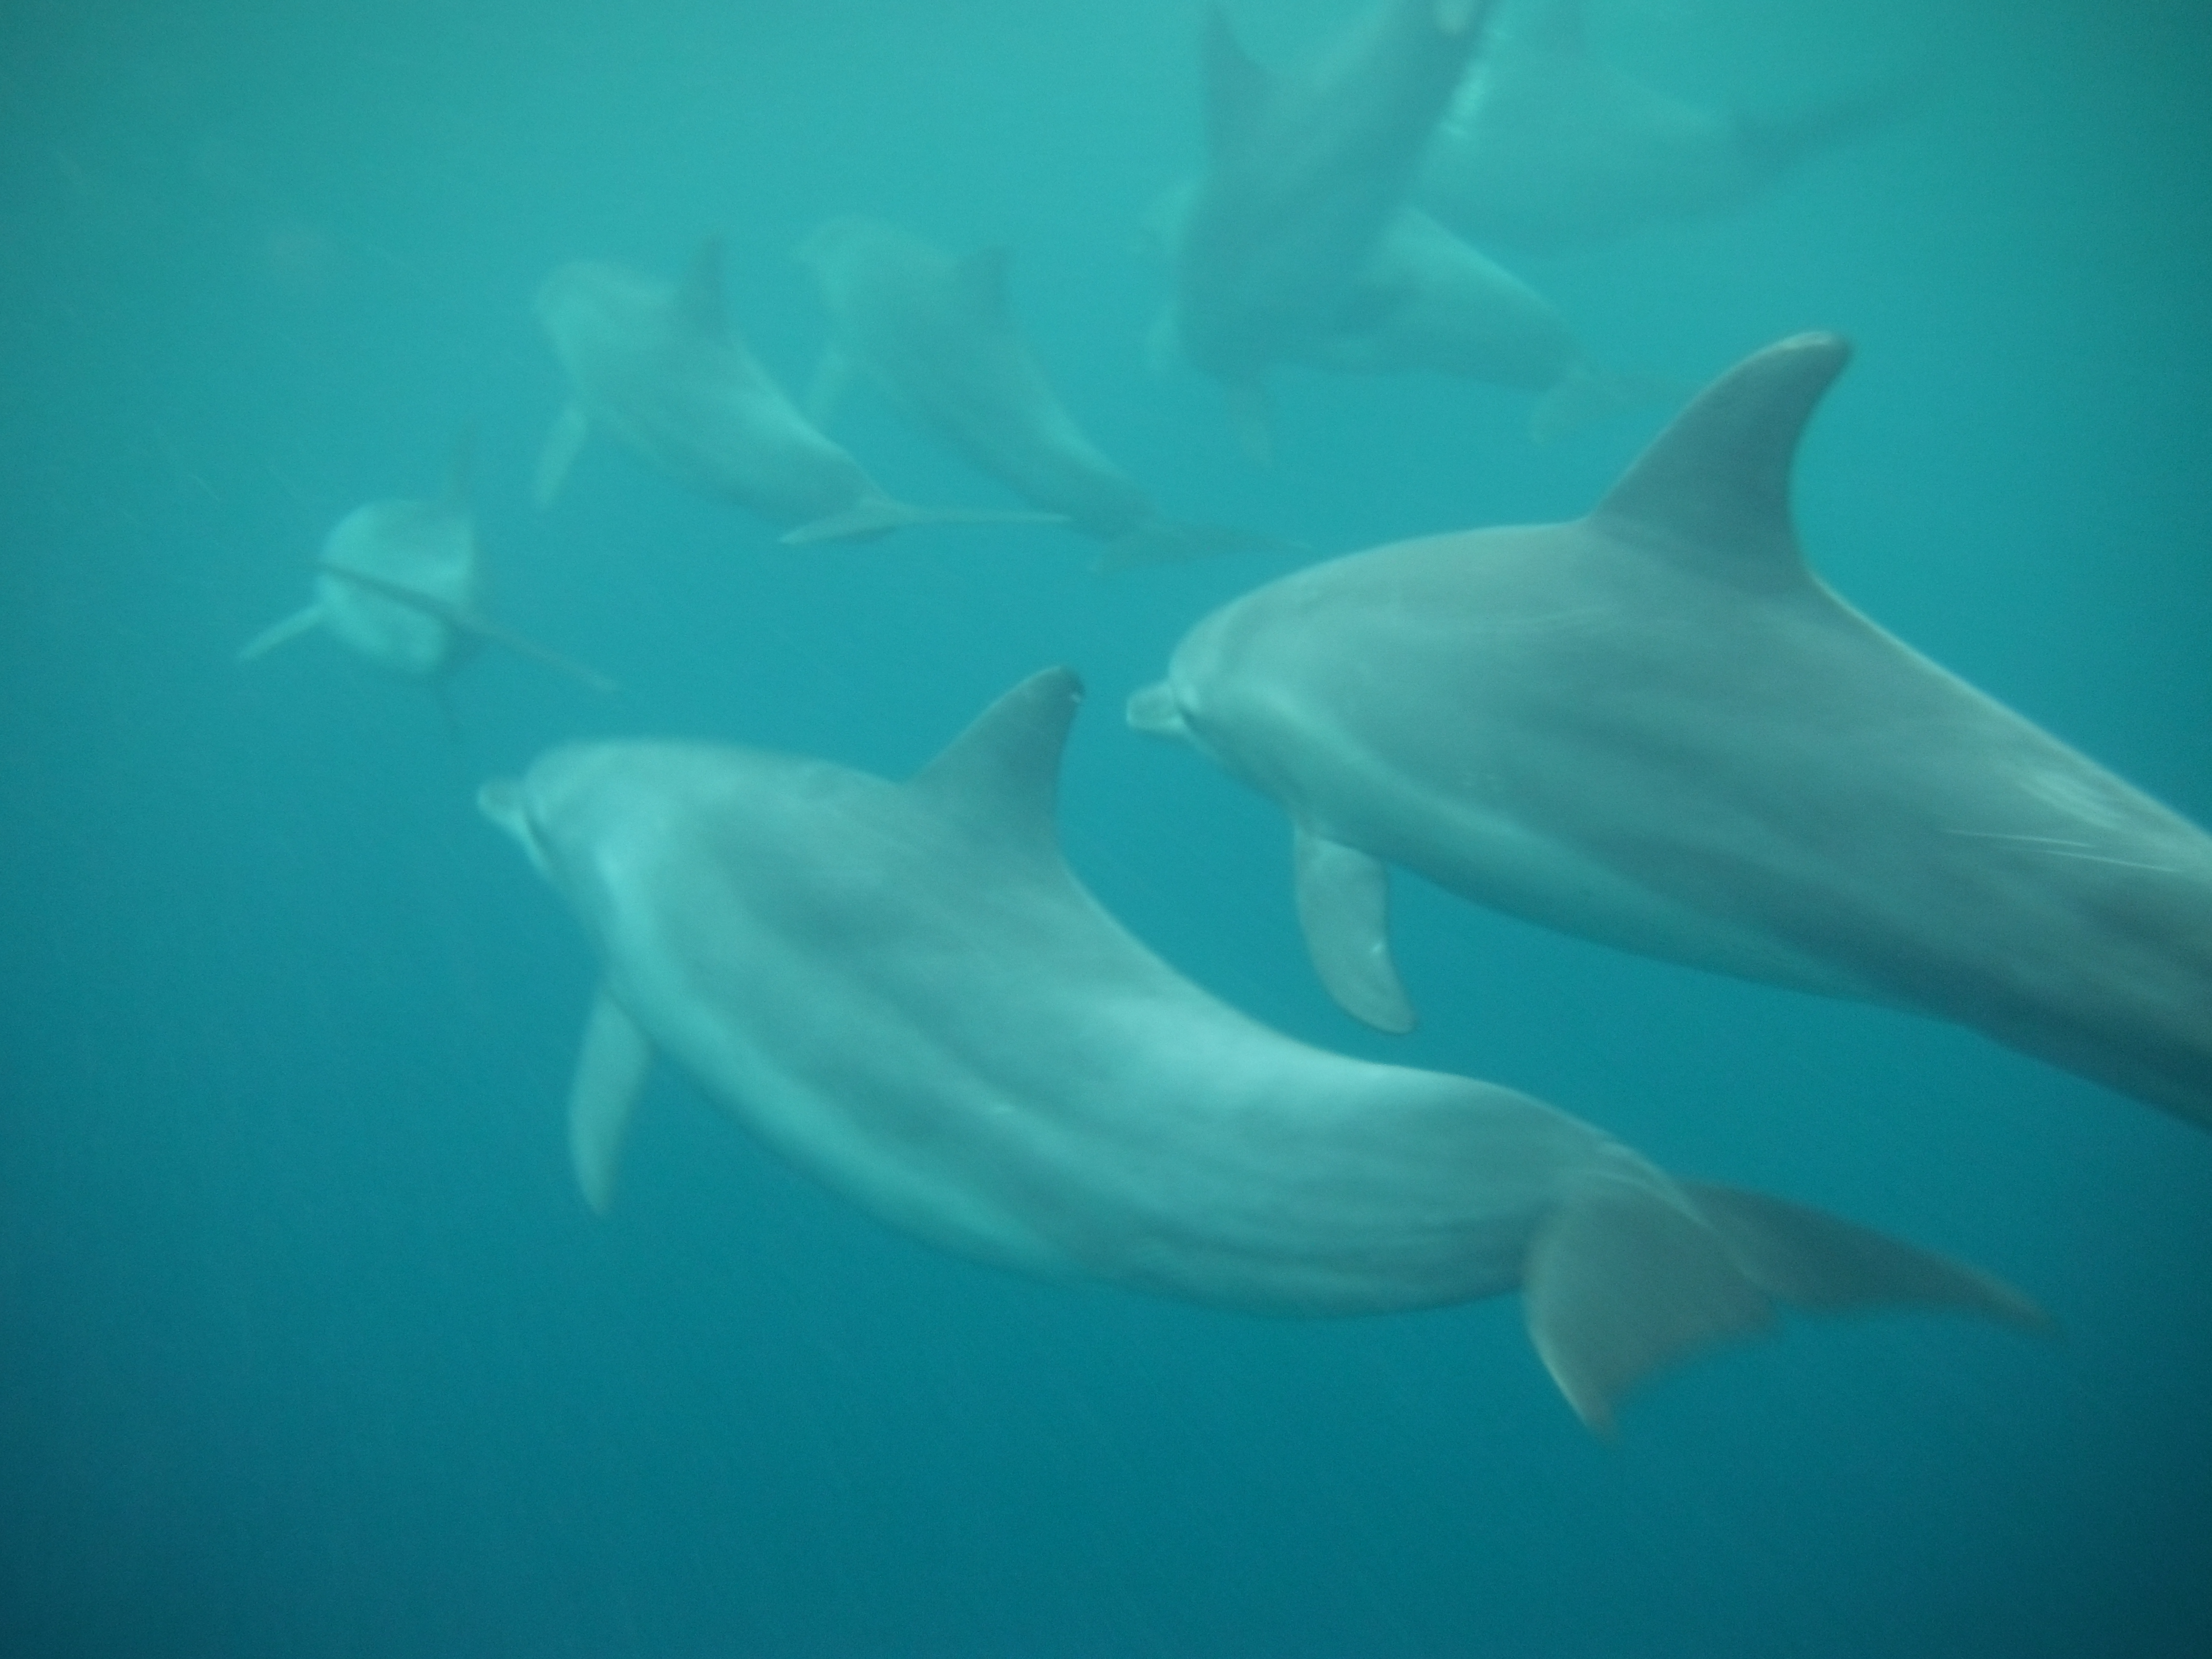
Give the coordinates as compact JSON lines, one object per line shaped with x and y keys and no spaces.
{"x":400,"y":584}
{"x":665,"y":370}
{"x":936,"y":335}
{"x":1656,"y":728}
{"x":903,"y":989}
{"x":1547,"y":148}
{"x":1302,"y":176}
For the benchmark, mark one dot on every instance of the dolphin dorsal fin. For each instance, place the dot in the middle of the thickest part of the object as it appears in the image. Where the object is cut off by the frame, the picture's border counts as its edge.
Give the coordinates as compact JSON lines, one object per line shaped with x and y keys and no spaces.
{"x":980,"y":278}
{"x":1239,"y":89}
{"x":1002,"y":775}
{"x":699,"y":297}
{"x":1716,"y":481}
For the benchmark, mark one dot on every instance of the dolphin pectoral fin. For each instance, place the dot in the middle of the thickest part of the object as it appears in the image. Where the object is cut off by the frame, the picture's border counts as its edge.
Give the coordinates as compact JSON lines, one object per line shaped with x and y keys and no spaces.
{"x":1344,"y":906}
{"x":879,"y":516}
{"x":299,"y":622}
{"x":1625,"y":1277}
{"x":1253,"y":420}
{"x":1152,"y":710}
{"x":611,"y":1074}
{"x":825,"y":392}
{"x":570,"y":428}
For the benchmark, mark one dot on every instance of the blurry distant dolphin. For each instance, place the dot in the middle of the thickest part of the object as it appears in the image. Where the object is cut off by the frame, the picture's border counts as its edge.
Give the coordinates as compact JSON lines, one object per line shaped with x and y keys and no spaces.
{"x":1424,"y":301}
{"x":664,"y":370}
{"x":1655,"y":727}
{"x":936,"y":335}
{"x":1301,"y":181}
{"x":399,"y":583}
{"x":1547,"y":148}
{"x":903,"y":989}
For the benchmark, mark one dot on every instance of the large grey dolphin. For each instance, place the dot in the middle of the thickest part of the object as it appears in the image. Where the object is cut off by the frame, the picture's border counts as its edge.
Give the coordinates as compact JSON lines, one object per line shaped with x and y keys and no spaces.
{"x":936,"y":335}
{"x":662,"y":369}
{"x":1547,"y":148}
{"x":1301,"y":179}
{"x":903,"y":990}
{"x":401,"y":584}
{"x":1656,"y":728}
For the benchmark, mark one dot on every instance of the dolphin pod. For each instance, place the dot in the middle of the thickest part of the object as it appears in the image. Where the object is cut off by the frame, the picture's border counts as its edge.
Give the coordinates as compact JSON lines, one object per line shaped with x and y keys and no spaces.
{"x":662,"y":369}
{"x":1656,"y":728}
{"x":903,"y":990}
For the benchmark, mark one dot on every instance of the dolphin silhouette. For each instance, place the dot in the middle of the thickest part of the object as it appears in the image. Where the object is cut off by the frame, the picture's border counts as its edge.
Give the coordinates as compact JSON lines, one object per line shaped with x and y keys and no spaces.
{"x":401,"y":585}
{"x":936,"y":335}
{"x":903,"y":989}
{"x":1547,"y":148}
{"x":665,"y":371}
{"x":1656,"y":728}
{"x":1302,"y":179}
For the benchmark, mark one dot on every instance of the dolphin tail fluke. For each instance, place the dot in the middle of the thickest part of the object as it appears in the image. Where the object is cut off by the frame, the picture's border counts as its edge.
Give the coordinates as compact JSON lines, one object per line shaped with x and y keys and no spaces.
{"x":880,"y":515}
{"x":1164,"y":541}
{"x":1629,"y":1275}
{"x":611,"y":1074}
{"x":282,"y":633}
{"x":570,"y":428}
{"x":1589,"y":395}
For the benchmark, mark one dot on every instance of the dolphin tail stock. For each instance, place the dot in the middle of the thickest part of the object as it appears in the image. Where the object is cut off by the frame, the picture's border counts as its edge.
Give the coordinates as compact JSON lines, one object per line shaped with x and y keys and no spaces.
{"x":474,"y":626}
{"x":570,"y":428}
{"x":1168,"y":541}
{"x":1629,"y":1274}
{"x":282,"y":633}
{"x":1587,"y":395}
{"x":880,"y":515}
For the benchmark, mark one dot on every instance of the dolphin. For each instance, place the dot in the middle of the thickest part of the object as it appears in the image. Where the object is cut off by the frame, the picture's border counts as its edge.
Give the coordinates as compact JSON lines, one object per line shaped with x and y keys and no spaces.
{"x":400,"y":584}
{"x":1302,"y":179}
{"x":936,"y":335}
{"x":1656,"y":728}
{"x":664,"y":370}
{"x":1549,"y":149}
{"x":1425,"y":301}
{"x":903,"y":989}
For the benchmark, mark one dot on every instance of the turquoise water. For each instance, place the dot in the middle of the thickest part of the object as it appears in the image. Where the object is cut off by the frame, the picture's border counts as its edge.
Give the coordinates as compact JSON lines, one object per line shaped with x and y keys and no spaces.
{"x":307,"y":1346}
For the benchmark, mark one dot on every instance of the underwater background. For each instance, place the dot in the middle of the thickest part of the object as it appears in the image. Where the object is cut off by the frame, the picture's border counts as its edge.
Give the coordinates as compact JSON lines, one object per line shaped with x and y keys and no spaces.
{"x":308,"y":1345}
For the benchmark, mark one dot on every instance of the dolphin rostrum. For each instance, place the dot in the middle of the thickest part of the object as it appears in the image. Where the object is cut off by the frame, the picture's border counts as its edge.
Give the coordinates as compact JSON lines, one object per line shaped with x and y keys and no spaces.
{"x":936,"y":335}
{"x":1656,"y":728}
{"x":665,"y":371}
{"x":903,"y":990}
{"x":1547,"y":149}
{"x":1301,"y":181}
{"x":400,"y":583}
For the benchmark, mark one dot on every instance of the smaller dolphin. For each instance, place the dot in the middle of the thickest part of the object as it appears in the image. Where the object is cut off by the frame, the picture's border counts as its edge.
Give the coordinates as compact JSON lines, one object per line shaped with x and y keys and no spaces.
{"x":1547,"y":149}
{"x":1301,"y":181}
{"x":665,"y":371}
{"x":1426,"y":301}
{"x":1656,"y":728}
{"x":937,"y":336}
{"x":400,"y":583}
{"x":903,"y":990}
